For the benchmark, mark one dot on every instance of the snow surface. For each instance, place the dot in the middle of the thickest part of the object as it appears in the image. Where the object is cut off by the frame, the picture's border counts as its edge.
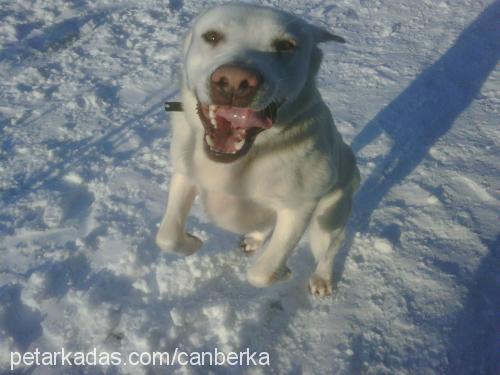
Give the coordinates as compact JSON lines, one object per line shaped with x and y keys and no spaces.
{"x":84,"y":175}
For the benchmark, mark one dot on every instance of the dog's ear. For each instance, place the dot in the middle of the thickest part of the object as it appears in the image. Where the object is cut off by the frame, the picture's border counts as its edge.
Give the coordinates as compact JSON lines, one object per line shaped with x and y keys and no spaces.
{"x":323,"y":35}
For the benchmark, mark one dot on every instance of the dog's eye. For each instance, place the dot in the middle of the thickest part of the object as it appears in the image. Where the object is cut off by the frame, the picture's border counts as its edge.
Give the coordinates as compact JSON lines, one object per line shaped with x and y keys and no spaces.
{"x":282,"y":45}
{"x":213,"y":37}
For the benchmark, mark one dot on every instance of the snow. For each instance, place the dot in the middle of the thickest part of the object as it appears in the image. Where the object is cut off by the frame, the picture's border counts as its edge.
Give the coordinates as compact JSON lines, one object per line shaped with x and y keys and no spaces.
{"x":84,"y":176}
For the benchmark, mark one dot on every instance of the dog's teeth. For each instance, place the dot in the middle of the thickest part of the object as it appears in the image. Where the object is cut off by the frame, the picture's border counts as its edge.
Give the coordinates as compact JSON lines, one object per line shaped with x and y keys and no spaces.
{"x":209,"y":141}
{"x":238,"y":145}
{"x":211,"y":114}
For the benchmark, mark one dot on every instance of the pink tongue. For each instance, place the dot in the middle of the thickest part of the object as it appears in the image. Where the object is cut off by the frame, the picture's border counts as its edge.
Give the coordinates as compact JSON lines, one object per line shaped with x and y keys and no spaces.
{"x":243,"y":117}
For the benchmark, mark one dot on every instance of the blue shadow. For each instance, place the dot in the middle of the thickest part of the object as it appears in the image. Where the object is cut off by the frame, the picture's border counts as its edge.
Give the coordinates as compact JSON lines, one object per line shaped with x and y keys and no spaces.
{"x":415,"y":121}
{"x":428,"y":108}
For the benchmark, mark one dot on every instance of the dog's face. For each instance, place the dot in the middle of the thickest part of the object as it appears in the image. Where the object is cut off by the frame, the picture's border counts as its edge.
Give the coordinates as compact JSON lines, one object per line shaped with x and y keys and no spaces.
{"x":241,"y":63}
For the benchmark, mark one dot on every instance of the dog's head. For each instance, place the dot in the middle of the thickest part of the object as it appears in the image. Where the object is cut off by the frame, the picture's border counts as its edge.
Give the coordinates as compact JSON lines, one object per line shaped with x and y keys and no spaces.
{"x":242,"y":62}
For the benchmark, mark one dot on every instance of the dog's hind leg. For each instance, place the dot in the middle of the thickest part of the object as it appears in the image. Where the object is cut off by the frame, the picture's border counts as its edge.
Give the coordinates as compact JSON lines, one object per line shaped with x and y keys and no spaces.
{"x":252,"y":241}
{"x":326,"y":234}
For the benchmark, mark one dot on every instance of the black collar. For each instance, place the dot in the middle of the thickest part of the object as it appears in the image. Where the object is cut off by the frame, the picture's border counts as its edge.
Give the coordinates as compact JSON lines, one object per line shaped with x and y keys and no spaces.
{"x":173,"y":107}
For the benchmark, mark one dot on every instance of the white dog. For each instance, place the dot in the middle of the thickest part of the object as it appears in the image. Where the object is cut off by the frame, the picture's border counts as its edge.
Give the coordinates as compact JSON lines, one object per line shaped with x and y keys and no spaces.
{"x":257,"y":142}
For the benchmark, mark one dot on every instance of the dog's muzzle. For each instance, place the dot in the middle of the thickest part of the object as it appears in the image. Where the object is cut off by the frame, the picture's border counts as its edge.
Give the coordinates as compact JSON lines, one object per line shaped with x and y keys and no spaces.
{"x":230,"y":122}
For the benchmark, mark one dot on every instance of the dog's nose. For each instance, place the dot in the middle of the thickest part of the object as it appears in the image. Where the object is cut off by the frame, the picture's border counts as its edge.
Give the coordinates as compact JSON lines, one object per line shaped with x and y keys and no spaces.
{"x":232,"y":84}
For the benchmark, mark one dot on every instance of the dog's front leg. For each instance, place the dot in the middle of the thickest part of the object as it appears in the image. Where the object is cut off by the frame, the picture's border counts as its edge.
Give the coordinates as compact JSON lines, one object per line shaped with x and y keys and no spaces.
{"x":172,"y":235}
{"x":271,"y":265}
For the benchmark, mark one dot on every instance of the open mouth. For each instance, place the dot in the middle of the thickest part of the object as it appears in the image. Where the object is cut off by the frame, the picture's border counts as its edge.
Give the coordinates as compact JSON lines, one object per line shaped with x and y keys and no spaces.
{"x":231,"y":131}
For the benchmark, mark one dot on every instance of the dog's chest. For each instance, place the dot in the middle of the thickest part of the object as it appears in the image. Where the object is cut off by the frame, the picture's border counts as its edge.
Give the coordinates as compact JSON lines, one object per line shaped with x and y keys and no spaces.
{"x":266,"y":179}
{"x":216,"y":176}
{"x":232,"y":178}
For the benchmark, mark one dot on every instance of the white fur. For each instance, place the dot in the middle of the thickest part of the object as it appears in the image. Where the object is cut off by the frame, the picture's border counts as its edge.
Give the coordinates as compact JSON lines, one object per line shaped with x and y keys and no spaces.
{"x":298,"y":175}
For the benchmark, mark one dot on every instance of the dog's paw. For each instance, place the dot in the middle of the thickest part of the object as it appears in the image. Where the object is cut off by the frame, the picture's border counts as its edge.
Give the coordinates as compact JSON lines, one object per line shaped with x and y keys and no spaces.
{"x":188,"y":245}
{"x":320,"y":287}
{"x":260,"y":277}
{"x":251,"y":242}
